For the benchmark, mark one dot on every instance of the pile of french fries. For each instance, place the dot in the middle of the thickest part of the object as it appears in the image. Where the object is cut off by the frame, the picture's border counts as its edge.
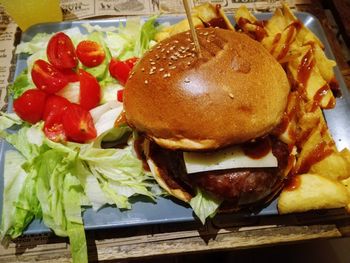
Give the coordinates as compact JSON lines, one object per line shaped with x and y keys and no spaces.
{"x":320,"y":173}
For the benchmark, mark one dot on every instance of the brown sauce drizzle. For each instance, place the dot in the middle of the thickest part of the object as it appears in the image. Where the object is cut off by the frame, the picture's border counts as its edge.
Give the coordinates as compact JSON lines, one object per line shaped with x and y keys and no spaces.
{"x":292,"y":183}
{"x":275,"y":42}
{"x":319,"y":96}
{"x":258,"y":148}
{"x":218,"y":21}
{"x":320,"y":152}
{"x":260,"y":32}
{"x":292,"y":28}
{"x":305,"y":68}
{"x":138,"y":147}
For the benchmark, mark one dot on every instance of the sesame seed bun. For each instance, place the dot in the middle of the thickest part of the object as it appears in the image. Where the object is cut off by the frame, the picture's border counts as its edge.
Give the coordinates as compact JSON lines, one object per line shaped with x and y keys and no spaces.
{"x":235,"y":92}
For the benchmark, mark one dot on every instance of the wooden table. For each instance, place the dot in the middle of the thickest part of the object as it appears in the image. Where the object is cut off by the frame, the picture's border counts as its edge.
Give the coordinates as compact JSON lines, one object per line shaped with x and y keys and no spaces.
{"x":223,"y":233}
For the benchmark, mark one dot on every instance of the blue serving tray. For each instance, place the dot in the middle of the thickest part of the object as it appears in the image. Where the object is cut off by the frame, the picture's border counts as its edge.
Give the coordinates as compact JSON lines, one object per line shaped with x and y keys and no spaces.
{"x":167,"y":210}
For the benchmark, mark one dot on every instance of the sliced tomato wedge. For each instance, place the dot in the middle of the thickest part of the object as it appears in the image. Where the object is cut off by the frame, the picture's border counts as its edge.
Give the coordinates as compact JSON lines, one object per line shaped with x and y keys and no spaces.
{"x":131,"y":61}
{"x":78,"y":124}
{"x":70,"y":75}
{"x":120,"y":70}
{"x":53,"y":128}
{"x":47,"y":78}
{"x":120,"y":95}
{"x":55,"y":105}
{"x":61,"y":52}
{"x":90,"y":91}
{"x":30,"y":105}
{"x":90,"y":53}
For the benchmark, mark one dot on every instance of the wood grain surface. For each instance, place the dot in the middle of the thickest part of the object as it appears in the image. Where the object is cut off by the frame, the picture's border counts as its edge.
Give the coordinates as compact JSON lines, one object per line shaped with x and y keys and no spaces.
{"x":223,"y":233}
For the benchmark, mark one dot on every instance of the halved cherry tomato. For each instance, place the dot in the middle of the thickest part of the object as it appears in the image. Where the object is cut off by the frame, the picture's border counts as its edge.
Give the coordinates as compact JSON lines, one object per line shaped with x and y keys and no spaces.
{"x":90,"y":91}
{"x":55,"y":105}
{"x":120,"y":95}
{"x":131,"y":62}
{"x":30,"y":105}
{"x":61,"y":52}
{"x":90,"y":53}
{"x":47,"y":78}
{"x":120,"y":70}
{"x":78,"y":124}
{"x":53,"y":128}
{"x":70,"y":75}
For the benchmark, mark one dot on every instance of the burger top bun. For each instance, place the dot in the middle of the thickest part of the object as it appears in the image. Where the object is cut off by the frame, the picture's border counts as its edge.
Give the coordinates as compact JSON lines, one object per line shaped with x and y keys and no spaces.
{"x":234,"y":92}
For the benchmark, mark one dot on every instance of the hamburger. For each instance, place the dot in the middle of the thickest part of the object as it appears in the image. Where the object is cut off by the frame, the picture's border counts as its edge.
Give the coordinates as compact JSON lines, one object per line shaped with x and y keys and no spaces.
{"x":207,"y":122}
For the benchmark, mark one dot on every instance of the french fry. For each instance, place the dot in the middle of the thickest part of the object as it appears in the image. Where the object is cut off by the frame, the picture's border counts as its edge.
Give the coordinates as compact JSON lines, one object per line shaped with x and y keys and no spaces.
{"x":313,"y":192}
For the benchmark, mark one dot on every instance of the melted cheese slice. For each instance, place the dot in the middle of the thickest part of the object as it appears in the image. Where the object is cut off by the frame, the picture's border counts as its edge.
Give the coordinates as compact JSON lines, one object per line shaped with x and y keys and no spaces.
{"x":228,"y":158}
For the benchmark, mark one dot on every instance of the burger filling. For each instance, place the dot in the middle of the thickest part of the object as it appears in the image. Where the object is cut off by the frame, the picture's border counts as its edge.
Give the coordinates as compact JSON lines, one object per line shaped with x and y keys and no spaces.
{"x":221,"y":174}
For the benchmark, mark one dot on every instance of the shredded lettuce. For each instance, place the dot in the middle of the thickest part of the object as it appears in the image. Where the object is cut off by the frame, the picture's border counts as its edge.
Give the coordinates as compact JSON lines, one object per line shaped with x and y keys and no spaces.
{"x":20,"y":85}
{"x":54,"y":181}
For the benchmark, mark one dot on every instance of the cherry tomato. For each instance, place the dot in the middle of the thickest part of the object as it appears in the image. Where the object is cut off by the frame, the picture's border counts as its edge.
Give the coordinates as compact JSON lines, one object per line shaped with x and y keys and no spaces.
{"x":78,"y":124}
{"x":90,"y":91}
{"x":90,"y":53}
{"x":47,"y":78}
{"x":120,"y":95}
{"x":120,"y":70}
{"x":131,"y":62}
{"x":30,"y":105}
{"x":61,"y":52}
{"x":55,"y":105}
{"x":53,"y":127}
{"x":70,"y":75}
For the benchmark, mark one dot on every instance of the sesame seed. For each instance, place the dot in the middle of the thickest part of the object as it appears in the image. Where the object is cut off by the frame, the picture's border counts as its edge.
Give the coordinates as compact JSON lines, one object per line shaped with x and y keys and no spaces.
{"x":189,"y":63}
{"x":162,"y":50}
{"x":146,"y":81}
{"x":143,"y":69}
{"x":205,"y":33}
{"x":176,"y":41}
{"x":172,"y":67}
{"x":166,"y":75}
{"x":167,"y":51}
{"x":161,"y":69}
{"x":187,"y":80}
{"x":153,"y":63}
{"x":150,"y":60}
{"x":231,"y":95}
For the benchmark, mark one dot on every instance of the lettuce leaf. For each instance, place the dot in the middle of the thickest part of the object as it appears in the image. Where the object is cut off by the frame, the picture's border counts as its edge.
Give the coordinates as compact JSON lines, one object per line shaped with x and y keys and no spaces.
{"x":204,"y":205}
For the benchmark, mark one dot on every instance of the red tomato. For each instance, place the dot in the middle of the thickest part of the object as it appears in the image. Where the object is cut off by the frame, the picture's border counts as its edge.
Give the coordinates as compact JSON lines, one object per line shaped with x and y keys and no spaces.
{"x":90,"y":91}
{"x":61,"y":52}
{"x":70,"y":75}
{"x":30,"y":105}
{"x":55,"y":105}
{"x":47,"y":78}
{"x":119,"y":70}
{"x":131,"y":62}
{"x":120,"y":95}
{"x":90,"y":53}
{"x":78,"y":124}
{"x":53,"y":128}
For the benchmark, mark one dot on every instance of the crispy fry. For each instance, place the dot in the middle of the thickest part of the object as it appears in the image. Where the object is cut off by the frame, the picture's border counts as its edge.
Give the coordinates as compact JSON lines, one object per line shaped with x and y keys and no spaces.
{"x":336,"y":166}
{"x":312,"y":193}
{"x":202,"y":15}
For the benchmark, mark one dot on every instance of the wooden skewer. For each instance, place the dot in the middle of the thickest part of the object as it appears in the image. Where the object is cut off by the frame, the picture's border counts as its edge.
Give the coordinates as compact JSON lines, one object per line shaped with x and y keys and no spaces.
{"x":193,"y":30}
